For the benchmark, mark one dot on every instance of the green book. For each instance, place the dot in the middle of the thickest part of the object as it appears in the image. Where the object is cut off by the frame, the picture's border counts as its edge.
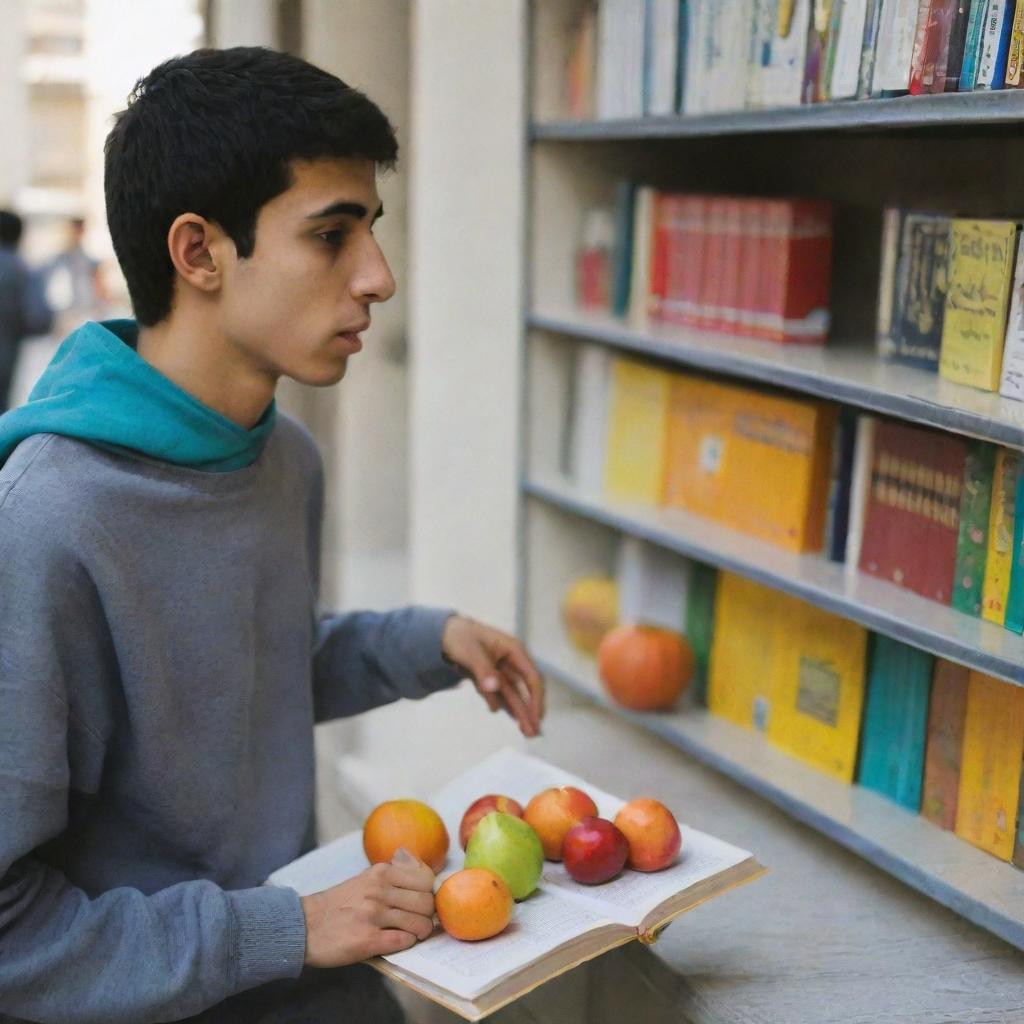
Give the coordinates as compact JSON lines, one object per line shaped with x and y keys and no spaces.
{"x":896,"y":721}
{"x":700,"y":624}
{"x":972,"y":541}
{"x":1015,"y":597}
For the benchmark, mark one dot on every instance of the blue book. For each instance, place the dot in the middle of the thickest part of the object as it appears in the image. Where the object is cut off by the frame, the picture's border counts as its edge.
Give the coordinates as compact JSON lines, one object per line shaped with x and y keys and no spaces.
{"x":622,"y":253}
{"x":995,"y":45}
{"x":684,"y":35}
{"x":648,"y":51}
{"x":972,"y":47}
{"x":896,"y":721}
{"x":839,"y":491}
{"x":1003,"y":52}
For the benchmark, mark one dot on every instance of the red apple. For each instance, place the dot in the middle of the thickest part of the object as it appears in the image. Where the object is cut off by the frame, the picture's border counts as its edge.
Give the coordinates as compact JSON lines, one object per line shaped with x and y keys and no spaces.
{"x":552,"y":812}
{"x":479,"y":809}
{"x":652,"y":833}
{"x":594,"y":851}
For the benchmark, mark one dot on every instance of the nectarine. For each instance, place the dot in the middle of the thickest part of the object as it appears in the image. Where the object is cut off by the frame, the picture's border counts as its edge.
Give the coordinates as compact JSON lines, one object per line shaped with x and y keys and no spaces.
{"x":474,"y":904}
{"x":652,"y":833}
{"x":552,"y":812}
{"x":482,"y":807}
{"x":408,"y":823}
{"x":594,"y":851}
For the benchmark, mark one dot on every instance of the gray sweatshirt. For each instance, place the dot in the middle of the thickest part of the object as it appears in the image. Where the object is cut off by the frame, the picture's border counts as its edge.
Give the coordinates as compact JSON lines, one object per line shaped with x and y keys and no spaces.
{"x":162,"y":663}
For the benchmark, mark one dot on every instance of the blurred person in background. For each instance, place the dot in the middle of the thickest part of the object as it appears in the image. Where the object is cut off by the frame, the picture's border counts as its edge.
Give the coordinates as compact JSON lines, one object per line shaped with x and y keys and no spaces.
{"x":24,"y":311}
{"x":163,"y":658}
{"x":74,"y":286}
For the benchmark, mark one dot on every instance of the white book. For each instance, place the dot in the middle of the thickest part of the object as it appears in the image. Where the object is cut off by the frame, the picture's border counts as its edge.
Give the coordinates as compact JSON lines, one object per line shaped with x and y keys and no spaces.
{"x":895,"y":46}
{"x":1012,"y":384}
{"x":643,"y":239}
{"x":653,"y":585}
{"x":846,"y":69}
{"x":761,"y":32}
{"x":860,"y":484}
{"x":607,"y":44}
{"x":632,"y":43}
{"x":562,"y":925}
{"x":662,"y":56}
{"x":588,"y":440}
{"x":782,"y":75}
{"x":696,"y":46}
{"x":998,"y":11}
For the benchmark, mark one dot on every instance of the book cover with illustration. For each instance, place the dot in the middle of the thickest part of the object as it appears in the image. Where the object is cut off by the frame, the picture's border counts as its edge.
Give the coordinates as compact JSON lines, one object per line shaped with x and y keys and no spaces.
{"x":1001,"y":525}
{"x":990,"y":768}
{"x":972,"y":541}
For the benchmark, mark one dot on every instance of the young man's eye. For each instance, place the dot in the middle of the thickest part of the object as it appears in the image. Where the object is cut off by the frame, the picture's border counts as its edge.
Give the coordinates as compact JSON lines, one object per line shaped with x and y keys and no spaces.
{"x":334,"y":237}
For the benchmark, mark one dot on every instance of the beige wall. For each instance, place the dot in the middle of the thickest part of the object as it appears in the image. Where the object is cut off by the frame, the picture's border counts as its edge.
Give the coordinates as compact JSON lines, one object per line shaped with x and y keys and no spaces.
{"x":13,"y":101}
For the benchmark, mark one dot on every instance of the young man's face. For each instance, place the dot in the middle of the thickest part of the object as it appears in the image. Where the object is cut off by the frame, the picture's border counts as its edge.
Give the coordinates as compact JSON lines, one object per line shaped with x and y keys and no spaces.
{"x":297,"y":305}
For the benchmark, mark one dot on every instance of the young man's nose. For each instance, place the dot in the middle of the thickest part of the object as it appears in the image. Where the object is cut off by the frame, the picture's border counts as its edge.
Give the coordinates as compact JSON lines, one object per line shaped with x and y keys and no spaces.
{"x":373,"y":280}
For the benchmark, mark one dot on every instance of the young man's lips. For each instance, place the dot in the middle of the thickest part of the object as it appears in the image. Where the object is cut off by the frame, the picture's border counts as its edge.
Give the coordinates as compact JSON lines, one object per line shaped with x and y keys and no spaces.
{"x":352,"y":338}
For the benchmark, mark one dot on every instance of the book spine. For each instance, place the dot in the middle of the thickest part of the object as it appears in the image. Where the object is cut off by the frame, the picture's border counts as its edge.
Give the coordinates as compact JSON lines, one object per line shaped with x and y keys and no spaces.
{"x":750,"y":265}
{"x":844,"y":447}
{"x":972,"y":543}
{"x":991,"y":44}
{"x":806,"y":272}
{"x":830,"y":46}
{"x":924,"y":45}
{"x":622,"y":254}
{"x":957,"y":42}
{"x":1014,"y":619}
{"x":659,"y":256}
{"x":848,"y":52}
{"x":700,"y":625}
{"x":892,"y":229}
{"x":860,"y":488}
{"x":869,"y":45}
{"x":1001,"y":523}
{"x":1015,"y":52}
{"x":972,"y":45}
{"x":1012,"y":383}
{"x":917,"y":330}
{"x":729,"y":313}
{"x":945,"y":743}
{"x":643,"y":252}
{"x":709,"y":296}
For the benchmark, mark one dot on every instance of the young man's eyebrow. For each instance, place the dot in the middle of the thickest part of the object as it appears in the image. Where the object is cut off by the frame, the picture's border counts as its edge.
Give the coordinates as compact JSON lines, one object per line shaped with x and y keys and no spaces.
{"x":348,"y":209}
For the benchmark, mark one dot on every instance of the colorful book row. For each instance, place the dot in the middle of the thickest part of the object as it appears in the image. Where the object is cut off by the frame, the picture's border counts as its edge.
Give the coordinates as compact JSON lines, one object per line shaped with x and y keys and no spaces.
{"x":636,"y":58}
{"x":950,"y":298}
{"x":748,"y":266}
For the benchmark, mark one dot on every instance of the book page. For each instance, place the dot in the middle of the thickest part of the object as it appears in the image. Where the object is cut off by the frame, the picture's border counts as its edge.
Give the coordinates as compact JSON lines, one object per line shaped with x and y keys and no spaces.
{"x":323,"y":867}
{"x":540,"y":924}
{"x":631,"y":896}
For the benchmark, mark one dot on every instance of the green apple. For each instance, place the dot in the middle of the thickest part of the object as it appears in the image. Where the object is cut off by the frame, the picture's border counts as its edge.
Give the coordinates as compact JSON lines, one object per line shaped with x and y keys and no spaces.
{"x":510,"y":848}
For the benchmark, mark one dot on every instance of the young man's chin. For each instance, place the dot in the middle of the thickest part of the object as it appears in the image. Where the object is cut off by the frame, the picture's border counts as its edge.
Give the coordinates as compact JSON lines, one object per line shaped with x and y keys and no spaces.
{"x":321,"y":376}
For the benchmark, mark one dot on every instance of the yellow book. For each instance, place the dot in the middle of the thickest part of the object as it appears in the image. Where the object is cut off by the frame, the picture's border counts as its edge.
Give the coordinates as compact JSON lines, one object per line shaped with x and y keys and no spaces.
{"x":981,"y":260}
{"x":637,"y":423}
{"x":696,"y":449}
{"x":819,"y":685}
{"x":742,"y":665}
{"x":990,"y":766}
{"x":722,"y":437}
{"x":999,"y":559}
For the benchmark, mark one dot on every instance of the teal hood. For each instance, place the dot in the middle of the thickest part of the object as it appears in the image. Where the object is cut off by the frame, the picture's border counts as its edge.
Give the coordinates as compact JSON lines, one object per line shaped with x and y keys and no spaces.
{"x":99,"y":389}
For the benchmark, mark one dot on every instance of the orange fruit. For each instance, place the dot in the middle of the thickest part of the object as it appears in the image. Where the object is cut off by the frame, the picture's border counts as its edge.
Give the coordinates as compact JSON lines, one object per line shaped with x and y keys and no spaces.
{"x":473,"y":904}
{"x":408,"y":823}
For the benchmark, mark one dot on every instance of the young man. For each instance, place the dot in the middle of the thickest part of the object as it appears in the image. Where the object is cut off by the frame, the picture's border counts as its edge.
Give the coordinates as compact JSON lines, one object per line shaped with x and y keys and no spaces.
{"x":161,"y":660}
{"x":23,"y":309}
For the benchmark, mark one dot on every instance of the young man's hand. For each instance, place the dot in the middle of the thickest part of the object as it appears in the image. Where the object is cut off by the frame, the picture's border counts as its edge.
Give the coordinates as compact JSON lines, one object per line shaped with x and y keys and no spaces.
{"x":503,"y":672}
{"x":383,"y":910}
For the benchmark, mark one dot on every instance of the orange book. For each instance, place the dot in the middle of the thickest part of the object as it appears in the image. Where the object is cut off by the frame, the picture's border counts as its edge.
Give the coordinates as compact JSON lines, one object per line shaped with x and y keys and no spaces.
{"x":722,"y":437}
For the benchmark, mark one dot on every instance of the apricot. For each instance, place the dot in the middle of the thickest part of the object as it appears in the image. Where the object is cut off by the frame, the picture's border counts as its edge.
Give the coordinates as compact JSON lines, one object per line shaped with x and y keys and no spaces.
{"x":474,"y":904}
{"x":652,"y":833}
{"x":552,"y":812}
{"x":480,"y":808}
{"x":409,"y":823}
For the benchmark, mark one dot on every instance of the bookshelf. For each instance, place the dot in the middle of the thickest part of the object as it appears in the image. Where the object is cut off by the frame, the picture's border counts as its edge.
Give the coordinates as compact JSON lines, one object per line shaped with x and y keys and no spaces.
{"x":943,"y":152}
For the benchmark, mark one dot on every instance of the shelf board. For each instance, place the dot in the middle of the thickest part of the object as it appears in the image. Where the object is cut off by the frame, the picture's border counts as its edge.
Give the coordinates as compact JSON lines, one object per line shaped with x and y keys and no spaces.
{"x":851,"y":374}
{"x":952,"y":110}
{"x":937,"y":863}
{"x":874,"y":603}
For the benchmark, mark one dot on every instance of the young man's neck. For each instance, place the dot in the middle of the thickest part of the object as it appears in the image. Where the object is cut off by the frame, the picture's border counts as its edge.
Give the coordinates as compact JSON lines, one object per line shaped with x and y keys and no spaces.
{"x":202,"y":362}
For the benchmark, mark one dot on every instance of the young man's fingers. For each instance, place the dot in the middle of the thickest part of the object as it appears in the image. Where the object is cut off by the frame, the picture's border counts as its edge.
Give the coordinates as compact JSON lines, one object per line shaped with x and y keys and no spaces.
{"x":523,"y":664}
{"x":414,"y":900}
{"x":409,"y":872}
{"x":518,"y":708}
{"x":415,"y":924}
{"x":393,"y":940}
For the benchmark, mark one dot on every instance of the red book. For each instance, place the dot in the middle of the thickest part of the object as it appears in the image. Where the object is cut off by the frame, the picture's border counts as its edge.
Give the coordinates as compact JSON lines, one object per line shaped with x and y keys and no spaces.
{"x":728,"y":303}
{"x":805,"y":273}
{"x":751,"y":214}
{"x":709,"y":302}
{"x":693,"y":248}
{"x":947,"y":710}
{"x":946,"y":464}
{"x":658,"y":289}
{"x":931,"y":46}
{"x":771,"y":291}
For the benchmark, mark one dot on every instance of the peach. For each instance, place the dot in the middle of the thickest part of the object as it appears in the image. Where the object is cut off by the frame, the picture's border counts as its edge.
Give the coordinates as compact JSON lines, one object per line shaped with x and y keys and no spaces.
{"x":594,"y":851}
{"x":408,"y":823}
{"x":481,"y":808}
{"x":652,"y":833}
{"x":474,"y":904}
{"x":552,"y":812}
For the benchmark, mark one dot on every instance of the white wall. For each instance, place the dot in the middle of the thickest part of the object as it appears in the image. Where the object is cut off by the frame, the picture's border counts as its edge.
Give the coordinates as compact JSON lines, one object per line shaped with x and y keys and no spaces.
{"x":13,"y":101}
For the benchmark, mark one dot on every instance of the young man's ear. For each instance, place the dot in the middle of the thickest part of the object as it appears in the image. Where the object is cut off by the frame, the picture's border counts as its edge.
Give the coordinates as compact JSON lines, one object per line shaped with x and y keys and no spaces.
{"x":195,"y":244}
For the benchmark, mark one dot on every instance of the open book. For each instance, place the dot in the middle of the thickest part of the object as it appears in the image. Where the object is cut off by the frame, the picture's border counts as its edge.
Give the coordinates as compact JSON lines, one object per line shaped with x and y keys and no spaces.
{"x":557,"y":928}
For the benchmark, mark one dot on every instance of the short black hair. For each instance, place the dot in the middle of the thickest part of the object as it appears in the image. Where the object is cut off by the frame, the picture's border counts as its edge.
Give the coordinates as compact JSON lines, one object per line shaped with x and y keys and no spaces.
{"x":213,"y":133}
{"x":10,"y":229}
